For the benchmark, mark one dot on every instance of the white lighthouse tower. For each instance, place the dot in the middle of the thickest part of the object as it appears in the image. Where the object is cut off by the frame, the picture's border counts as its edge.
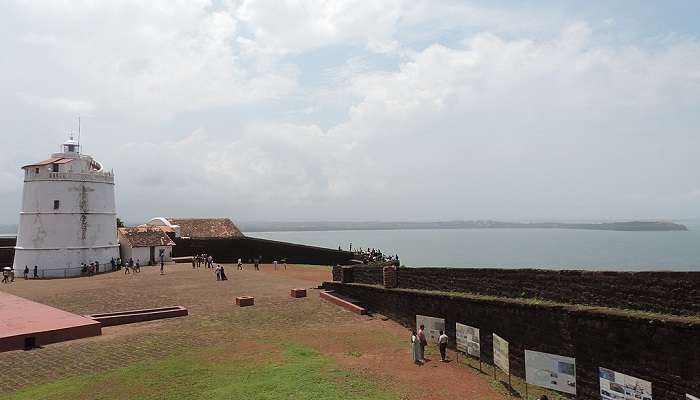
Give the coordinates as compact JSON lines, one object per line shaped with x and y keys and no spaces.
{"x":68,"y":215}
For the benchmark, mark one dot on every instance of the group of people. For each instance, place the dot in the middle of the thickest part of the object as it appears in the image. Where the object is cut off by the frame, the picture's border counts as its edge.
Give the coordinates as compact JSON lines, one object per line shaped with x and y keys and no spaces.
{"x":130,"y":265}
{"x":8,"y":273}
{"x":419,"y":342}
{"x":89,"y":269}
{"x":373,"y":256}
{"x":200,"y":259}
{"x":220,"y":274}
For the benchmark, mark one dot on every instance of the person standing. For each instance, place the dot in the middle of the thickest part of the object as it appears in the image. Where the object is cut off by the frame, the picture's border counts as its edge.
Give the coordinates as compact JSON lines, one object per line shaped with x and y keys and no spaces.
{"x":415,"y":348}
{"x":423,"y":342}
{"x":257,"y":268}
{"x":240,"y":265}
{"x":218,"y":272}
{"x":26,"y":272}
{"x":222,"y":273}
{"x":36,"y":272}
{"x":193,"y":262}
{"x":275,"y":264}
{"x":442,"y":341}
{"x":5,"y":276}
{"x":284,"y":263}
{"x":162,"y":266}
{"x":138,"y":266}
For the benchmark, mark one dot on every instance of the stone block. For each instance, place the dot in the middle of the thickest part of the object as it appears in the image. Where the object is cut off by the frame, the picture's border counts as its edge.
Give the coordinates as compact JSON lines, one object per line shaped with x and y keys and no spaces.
{"x":245,"y":301}
{"x":298,"y":293}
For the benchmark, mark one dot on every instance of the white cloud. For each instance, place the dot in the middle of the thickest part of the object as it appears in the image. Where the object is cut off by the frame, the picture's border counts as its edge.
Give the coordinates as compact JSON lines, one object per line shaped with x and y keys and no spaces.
{"x":475,"y":112}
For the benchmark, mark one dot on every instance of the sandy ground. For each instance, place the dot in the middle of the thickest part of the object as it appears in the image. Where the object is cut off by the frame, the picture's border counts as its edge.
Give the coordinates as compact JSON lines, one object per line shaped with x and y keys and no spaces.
{"x":369,"y":345}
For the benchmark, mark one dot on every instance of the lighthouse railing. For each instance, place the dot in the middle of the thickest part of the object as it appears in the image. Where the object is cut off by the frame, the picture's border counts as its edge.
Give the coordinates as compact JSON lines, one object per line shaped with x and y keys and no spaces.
{"x":73,"y":176}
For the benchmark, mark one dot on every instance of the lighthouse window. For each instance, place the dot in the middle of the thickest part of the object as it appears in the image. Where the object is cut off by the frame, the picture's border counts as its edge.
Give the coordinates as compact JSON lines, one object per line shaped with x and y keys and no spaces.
{"x":36,"y":170}
{"x":56,"y":204}
{"x":54,"y":167}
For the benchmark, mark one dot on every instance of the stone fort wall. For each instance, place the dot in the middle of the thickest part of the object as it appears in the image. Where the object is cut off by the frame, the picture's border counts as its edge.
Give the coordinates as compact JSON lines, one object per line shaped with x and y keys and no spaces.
{"x":667,"y":292}
{"x":249,"y":248}
{"x":663,"y":351}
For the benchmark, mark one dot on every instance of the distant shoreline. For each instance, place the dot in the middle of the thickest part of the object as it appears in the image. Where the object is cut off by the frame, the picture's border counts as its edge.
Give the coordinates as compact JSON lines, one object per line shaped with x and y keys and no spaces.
{"x":631,"y":226}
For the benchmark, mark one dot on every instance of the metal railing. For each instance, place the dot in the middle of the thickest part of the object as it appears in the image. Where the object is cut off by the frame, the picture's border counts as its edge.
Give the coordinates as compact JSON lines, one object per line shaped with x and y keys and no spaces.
{"x":73,"y":176}
{"x":66,"y":272}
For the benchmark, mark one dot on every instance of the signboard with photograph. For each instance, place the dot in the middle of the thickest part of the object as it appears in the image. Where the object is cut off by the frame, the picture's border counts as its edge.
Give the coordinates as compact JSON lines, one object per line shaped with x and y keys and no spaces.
{"x":500,"y":353}
{"x":618,"y":386}
{"x":433,"y":326}
{"x":468,"y":341}
{"x":550,"y":371}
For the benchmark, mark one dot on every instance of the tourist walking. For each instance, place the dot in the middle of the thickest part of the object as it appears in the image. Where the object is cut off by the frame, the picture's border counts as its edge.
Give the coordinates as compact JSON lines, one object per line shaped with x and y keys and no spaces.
{"x":222,"y":273}
{"x":257,"y":268}
{"x":415,"y":348}
{"x":36,"y":272}
{"x":240,"y":265}
{"x":275,"y":264}
{"x":442,"y":341}
{"x":284,"y":263}
{"x":423,"y":342}
{"x":6,"y":275}
{"x":26,"y":272}
{"x":193,"y":262}
{"x":126,"y":268}
{"x":218,"y":272}
{"x":137,"y":269}
{"x":162,"y":266}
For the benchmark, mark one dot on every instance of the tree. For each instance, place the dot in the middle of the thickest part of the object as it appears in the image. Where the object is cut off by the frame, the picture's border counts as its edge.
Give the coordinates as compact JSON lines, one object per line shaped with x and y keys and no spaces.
{"x":120,"y":223}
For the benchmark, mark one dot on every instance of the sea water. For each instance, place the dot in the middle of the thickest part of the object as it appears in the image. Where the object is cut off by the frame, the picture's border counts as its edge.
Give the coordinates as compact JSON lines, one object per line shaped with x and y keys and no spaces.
{"x":519,"y":248}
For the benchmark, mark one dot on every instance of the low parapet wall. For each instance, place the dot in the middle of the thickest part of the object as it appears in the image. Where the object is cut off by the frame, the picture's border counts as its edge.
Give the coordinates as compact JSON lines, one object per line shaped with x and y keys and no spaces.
{"x":249,"y":248}
{"x":660,"y":349}
{"x":667,"y":292}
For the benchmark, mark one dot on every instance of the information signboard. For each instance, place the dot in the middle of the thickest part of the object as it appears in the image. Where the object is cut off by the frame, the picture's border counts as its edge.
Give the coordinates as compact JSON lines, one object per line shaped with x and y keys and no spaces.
{"x":468,"y":341}
{"x":550,"y":371}
{"x":617,"y":386}
{"x":500,"y":353}
{"x":433,"y":326}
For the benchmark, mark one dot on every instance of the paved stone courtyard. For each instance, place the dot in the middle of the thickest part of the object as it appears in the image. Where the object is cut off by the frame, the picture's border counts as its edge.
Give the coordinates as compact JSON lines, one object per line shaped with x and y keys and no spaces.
{"x":364,"y":344}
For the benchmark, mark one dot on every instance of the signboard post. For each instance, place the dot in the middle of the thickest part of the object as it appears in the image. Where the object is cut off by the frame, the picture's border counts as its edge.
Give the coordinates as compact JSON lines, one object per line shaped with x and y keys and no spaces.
{"x":500,"y":355}
{"x":468,"y":341}
{"x":618,"y":386}
{"x":433,"y":326}
{"x":550,"y":371}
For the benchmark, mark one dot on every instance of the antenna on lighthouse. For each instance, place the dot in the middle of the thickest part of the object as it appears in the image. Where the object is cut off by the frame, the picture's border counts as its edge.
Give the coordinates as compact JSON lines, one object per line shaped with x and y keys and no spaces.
{"x":78,"y":131}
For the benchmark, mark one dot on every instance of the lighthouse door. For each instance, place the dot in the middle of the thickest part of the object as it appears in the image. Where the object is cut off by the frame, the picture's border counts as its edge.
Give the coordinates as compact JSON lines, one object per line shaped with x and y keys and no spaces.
{"x":153,"y":255}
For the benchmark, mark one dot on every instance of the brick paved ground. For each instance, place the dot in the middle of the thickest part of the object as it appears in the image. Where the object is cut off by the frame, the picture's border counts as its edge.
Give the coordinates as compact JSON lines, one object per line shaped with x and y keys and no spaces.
{"x":365,"y":344}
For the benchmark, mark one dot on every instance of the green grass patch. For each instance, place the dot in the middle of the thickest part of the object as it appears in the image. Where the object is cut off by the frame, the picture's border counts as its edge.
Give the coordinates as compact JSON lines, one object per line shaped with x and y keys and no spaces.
{"x":300,"y":373}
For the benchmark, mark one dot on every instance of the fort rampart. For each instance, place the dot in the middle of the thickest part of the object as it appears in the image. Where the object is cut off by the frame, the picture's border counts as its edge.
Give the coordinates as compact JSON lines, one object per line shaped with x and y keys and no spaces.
{"x":521,"y":307}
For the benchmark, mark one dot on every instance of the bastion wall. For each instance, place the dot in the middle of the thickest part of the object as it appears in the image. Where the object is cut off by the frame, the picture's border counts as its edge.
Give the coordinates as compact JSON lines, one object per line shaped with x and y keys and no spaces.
{"x":660,"y":348}
{"x":667,"y":292}
{"x":248,"y":248}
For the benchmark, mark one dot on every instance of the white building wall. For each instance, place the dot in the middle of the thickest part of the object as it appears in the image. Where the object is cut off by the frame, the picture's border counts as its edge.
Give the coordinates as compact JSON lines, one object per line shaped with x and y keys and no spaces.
{"x":144,"y":253}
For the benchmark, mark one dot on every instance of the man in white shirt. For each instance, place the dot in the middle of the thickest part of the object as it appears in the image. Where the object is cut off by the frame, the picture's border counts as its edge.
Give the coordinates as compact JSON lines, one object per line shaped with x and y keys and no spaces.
{"x":442,"y":341}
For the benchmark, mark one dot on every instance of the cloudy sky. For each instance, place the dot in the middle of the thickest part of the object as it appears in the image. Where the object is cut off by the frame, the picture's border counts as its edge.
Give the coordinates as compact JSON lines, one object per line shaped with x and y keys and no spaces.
{"x":362,"y":110}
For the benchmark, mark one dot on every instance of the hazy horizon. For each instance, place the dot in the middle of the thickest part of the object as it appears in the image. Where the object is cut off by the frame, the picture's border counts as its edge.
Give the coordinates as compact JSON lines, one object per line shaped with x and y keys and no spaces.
{"x":356,"y":111}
